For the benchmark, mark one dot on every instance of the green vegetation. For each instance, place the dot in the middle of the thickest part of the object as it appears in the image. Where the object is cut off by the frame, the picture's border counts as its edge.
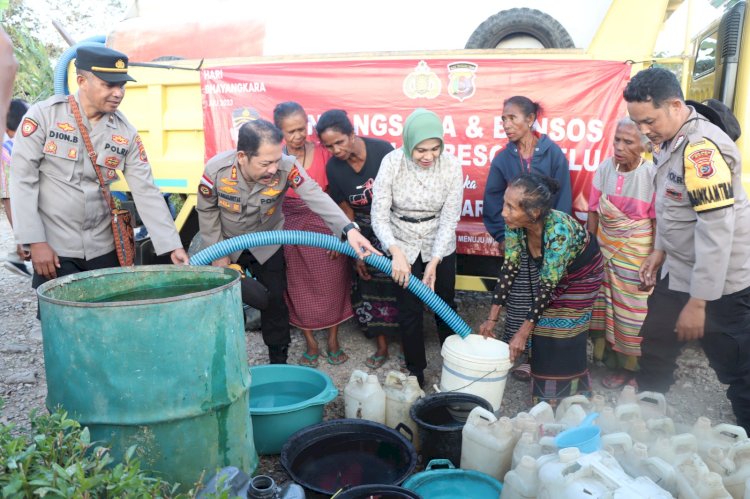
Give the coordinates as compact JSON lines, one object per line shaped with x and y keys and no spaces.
{"x":57,"y":459}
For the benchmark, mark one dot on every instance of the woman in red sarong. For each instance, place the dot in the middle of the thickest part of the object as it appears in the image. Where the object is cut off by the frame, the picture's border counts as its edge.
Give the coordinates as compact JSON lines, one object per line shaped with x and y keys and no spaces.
{"x":319,"y":283}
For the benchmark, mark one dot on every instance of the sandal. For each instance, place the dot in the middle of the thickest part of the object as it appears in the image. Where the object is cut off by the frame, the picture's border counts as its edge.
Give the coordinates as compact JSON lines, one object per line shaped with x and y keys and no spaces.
{"x":376,"y":361}
{"x":522,"y":372}
{"x":617,"y":380}
{"x":308,"y":360}
{"x":336,"y":358}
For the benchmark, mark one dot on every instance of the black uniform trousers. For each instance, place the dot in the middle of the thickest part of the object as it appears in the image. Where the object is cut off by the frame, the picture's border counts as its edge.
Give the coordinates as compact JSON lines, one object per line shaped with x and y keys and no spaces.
{"x":411,"y":309}
{"x":274,"y":319}
{"x":726,"y":341}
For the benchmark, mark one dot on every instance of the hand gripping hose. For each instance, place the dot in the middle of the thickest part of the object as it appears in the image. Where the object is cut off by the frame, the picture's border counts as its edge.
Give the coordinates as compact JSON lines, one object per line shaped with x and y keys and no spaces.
{"x":328,"y":242}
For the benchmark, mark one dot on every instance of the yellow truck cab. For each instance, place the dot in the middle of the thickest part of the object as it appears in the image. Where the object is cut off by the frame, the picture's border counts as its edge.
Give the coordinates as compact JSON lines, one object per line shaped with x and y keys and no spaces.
{"x":173,"y":100}
{"x":720,"y":69}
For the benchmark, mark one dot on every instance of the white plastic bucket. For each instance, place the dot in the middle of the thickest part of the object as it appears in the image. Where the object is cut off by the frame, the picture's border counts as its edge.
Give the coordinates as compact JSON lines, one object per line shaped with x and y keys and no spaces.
{"x":475,"y":365}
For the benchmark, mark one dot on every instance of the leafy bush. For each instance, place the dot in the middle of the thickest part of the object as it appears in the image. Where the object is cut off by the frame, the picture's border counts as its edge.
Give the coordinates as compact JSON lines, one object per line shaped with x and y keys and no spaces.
{"x":58,"y":459}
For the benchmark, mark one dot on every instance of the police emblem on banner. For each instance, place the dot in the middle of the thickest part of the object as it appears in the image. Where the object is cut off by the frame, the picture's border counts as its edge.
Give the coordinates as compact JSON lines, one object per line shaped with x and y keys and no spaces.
{"x":461,"y":80}
{"x":422,"y":83}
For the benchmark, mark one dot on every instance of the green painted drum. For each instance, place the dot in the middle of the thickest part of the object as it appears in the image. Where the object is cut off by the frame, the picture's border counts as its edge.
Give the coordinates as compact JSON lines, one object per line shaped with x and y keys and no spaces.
{"x":153,"y":356}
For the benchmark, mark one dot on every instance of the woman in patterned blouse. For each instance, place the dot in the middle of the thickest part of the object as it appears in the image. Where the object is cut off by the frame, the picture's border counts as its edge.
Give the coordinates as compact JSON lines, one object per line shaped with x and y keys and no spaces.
{"x":570,"y":272}
{"x":415,"y":209}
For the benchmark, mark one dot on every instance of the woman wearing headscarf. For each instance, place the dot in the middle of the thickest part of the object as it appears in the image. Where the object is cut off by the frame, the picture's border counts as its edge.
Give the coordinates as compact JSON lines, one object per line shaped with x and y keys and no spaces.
{"x":569,"y":269}
{"x":526,"y":152}
{"x":416,"y":206}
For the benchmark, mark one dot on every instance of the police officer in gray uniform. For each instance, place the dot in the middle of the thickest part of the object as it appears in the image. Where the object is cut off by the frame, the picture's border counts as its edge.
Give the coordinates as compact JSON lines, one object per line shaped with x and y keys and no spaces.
{"x":702,"y":243}
{"x":57,"y":203}
{"x":241,"y":192}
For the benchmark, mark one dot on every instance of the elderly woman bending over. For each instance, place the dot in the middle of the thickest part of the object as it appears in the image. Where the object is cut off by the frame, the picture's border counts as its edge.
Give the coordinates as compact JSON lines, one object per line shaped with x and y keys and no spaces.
{"x":415,"y":209}
{"x":570,"y":272}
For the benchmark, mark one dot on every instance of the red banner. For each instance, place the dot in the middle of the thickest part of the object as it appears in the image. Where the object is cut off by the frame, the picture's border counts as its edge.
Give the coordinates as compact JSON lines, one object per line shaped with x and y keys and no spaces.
{"x":581,"y":101}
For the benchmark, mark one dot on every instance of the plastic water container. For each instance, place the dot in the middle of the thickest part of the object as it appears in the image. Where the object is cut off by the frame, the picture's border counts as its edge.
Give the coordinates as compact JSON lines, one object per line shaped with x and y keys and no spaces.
{"x":475,"y":365}
{"x":618,"y":444}
{"x":626,"y":413}
{"x":487,"y":443}
{"x":674,"y":449}
{"x":522,"y":482}
{"x":737,"y":469}
{"x":660,"y":427}
{"x":627,"y":396}
{"x":653,"y":405}
{"x":542,"y":413}
{"x":722,"y":435}
{"x":576,"y":475}
{"x":572,"y":415}
{"x":636,"y":462}
{"x":527,"y":446}
{"x":639,"y":431}
{"x":696,"y":481}
{"x":364,"y":398}
{"x":400,"y":393}
{"x":598,"y":403}
{"x":608,"y":422}
{"x":570,"y":409}
{"x":586,"y":437}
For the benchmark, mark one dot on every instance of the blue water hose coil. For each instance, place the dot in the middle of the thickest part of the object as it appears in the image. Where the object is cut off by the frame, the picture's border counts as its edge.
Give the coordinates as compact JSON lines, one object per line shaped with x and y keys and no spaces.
{"x":328,"y":242}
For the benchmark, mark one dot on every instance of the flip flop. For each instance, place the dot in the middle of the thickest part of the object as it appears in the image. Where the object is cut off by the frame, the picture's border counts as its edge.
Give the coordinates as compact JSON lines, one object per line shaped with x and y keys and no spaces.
{"x":522,"y":372}
{"x":308,"y":360}
{"x":616,"y":380}
{"x":336,"y":358}
{"x":376,"y":361}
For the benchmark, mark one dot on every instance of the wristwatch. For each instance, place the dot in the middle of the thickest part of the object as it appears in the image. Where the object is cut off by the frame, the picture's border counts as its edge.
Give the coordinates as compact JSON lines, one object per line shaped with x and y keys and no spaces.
{"x":348,"y":227}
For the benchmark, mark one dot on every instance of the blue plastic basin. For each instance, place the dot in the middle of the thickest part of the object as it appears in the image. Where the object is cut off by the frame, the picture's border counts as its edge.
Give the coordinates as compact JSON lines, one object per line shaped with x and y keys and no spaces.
{"x":450,"y":483}
{"x":285,"y":399}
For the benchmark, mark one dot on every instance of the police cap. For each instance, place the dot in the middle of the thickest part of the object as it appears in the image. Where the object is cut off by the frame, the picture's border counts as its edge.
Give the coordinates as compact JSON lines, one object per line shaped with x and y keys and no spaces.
{"x":107,"y":64}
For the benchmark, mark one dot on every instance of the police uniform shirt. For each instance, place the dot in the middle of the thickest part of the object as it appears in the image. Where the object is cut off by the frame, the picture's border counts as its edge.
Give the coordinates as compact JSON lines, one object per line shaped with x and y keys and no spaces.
{"x":702,"y":212}
{"x":56,"y":195}
{"x":229,"y":206}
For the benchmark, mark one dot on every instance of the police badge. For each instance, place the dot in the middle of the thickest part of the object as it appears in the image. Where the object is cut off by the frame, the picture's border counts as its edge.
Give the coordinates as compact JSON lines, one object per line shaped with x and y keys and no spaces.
{"x":461,"y":79}
{"x":422,"y":83}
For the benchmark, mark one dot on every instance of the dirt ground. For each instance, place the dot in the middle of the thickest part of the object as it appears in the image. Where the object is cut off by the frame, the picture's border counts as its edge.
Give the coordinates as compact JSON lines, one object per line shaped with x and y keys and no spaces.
{"x":23,"y":387}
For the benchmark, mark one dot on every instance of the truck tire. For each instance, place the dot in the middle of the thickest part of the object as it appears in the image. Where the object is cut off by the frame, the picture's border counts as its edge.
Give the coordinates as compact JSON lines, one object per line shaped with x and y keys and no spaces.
{"x":521,"y":21}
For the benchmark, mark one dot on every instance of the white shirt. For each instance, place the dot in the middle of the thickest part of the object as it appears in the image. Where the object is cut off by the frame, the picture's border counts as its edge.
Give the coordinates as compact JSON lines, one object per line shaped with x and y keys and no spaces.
{"x":404,"y":188}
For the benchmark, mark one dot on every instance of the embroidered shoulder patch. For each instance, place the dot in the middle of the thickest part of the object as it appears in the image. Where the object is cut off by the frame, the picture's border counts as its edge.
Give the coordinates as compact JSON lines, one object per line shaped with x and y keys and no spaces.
{"x":708,"y":178}
{"x":206,"y":187}
{"x":28,"y":127}
{"x":295,"y":178}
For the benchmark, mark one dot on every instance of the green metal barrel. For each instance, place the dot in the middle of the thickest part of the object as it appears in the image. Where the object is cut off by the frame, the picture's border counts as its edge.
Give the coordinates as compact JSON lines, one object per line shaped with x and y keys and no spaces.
{"x":153,"y":356}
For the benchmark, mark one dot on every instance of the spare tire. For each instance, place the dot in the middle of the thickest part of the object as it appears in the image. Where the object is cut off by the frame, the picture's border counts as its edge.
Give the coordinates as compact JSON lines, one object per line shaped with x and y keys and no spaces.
{"x":520,"y":22}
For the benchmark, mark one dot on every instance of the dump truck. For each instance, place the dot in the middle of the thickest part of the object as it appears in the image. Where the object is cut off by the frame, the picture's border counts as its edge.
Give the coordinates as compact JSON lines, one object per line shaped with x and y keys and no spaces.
{"x":188,"y":99}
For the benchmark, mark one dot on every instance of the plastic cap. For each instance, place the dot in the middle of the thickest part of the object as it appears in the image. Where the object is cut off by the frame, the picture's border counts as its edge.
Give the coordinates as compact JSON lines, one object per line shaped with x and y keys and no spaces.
{"x":569,"y":454}
{"x":527,"y":462}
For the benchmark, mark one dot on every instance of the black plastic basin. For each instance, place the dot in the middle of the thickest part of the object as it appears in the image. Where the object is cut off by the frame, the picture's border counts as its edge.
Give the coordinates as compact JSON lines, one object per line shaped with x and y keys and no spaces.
{"x":347,"y":452}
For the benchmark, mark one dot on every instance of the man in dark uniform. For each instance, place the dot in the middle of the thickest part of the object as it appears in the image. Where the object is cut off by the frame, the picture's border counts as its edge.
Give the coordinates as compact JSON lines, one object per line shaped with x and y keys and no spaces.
{"x":56,"y":198}
{"x":702,"y":243}
{"x":241,"y":192}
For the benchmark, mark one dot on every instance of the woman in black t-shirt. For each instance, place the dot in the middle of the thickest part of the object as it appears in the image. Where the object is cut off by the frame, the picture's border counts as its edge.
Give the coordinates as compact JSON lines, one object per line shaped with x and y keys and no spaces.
{"x":351,"y":172}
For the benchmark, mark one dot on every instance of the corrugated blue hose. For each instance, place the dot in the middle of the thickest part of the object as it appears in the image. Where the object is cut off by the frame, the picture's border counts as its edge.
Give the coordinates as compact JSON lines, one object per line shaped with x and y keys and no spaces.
{"x":328,"y":242}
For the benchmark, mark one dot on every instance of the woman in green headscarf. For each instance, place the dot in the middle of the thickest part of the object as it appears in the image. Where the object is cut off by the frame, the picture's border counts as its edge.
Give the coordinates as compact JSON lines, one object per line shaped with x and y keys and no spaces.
{"x":415,"y":209}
